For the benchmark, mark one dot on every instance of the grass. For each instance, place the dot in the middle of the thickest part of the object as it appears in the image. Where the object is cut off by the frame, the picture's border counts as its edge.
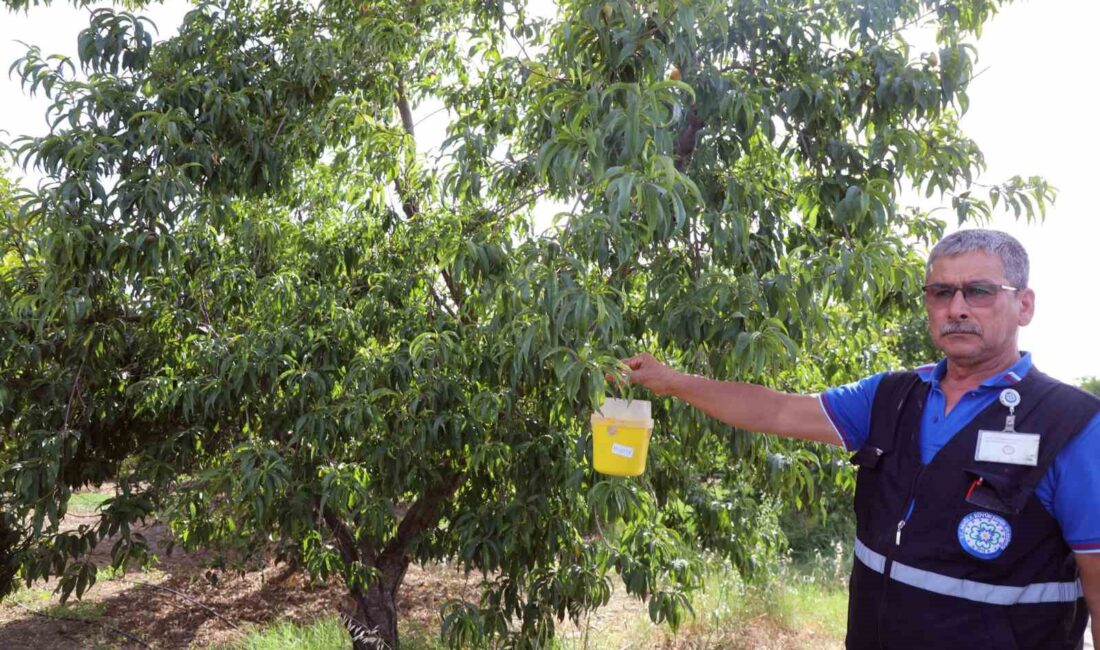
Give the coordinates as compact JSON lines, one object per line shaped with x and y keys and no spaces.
{"x":87,"y":501}
{"x":816,"y":591}
{"x":86,"y":609}
{"x":33,"y":597}
{"x":810,"y":612}
{"x":323,"y":634}
{"x":815,"y":605}
{"x":807,"y":598}
{"x":44,"y":600}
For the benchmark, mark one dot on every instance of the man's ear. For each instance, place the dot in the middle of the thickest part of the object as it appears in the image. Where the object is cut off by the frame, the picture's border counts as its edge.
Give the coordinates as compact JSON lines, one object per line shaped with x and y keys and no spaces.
{"x":1027,"y":306}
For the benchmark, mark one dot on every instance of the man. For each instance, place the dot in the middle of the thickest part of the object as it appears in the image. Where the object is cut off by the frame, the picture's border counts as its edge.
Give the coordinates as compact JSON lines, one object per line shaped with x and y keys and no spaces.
{"x":978,"y":494}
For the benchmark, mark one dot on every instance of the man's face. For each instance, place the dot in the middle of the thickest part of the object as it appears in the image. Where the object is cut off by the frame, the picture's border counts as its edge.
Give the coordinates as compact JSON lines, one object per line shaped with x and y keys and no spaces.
{"x":971,"y":335}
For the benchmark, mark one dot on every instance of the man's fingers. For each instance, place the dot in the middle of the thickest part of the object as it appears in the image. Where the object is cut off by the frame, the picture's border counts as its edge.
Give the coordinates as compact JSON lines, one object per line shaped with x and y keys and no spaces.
{"x":620,"y":376}
{"x":629,"y":369}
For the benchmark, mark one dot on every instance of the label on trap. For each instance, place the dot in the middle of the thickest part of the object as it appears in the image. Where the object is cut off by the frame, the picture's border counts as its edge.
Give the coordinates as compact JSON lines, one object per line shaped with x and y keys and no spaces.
{"x":622,"y":450}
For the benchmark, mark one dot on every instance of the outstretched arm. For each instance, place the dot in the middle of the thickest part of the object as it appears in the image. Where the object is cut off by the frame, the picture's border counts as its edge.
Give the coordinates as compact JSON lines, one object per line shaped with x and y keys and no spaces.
{"x":745,"y":406}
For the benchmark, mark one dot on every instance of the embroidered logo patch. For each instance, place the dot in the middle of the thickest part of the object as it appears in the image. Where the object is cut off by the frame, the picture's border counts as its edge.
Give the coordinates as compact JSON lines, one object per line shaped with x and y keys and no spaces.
{"x":984,"y":535}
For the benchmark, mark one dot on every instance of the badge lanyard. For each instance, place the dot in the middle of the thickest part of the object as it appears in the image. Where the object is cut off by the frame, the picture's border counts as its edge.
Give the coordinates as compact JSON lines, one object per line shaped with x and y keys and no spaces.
{"x":1011,"y":399}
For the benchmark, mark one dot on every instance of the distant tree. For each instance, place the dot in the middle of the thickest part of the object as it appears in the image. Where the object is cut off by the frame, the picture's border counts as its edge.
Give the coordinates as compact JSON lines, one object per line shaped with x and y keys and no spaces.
{"x":243,"y":296}
{"x":1091,"y":384}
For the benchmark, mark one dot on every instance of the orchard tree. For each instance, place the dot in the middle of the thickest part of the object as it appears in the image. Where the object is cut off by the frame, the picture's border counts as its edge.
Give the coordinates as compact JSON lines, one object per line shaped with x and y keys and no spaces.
{"x":251,"y":298}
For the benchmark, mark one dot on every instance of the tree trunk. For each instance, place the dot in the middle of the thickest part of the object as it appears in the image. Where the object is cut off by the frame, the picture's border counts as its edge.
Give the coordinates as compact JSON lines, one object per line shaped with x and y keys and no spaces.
{"x":374,"y":625}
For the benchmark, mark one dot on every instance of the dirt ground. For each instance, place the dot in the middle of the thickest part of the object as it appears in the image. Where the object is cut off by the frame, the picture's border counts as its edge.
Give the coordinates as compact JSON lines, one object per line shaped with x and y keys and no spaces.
{"x":177,"y":606}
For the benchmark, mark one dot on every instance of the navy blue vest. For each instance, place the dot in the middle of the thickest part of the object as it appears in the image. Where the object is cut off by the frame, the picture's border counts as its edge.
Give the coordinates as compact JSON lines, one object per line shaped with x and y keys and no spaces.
{"x":913,"y":584}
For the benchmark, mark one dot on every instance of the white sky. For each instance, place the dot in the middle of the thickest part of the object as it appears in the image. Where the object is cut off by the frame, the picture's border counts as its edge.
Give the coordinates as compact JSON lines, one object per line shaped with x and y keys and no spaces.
{"x":1031,"y":112}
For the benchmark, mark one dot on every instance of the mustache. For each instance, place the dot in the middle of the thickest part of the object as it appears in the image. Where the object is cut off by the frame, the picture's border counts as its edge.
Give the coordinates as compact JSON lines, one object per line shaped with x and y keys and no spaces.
{"x":960,"y":328}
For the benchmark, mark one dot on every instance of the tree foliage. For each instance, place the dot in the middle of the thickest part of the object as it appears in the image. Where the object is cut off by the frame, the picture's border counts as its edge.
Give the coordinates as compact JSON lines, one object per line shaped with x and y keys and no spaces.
{"x":1091,"y":384}
{"x":247,"y":297}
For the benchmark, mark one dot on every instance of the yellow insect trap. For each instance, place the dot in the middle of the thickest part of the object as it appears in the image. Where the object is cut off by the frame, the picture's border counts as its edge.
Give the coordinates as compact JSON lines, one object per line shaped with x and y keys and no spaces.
{"x":620,"y":437}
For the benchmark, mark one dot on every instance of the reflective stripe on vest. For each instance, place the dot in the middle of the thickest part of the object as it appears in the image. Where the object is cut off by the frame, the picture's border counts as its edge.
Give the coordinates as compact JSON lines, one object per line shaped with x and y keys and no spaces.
{"x":982,"y":592}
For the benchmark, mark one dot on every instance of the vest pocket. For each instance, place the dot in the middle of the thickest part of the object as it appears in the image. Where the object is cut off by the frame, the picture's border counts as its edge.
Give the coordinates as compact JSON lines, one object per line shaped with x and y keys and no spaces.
{"x":867,"y":457}
{"x":993,"y":491}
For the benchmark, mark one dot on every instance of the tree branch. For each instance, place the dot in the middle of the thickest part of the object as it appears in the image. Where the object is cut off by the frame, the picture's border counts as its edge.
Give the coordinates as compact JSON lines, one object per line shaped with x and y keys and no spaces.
{"x":439,"y":301}
{"x":408,"y":203}
{"x":685,"y":143}
{"x":403,"y":108}
{"x":423,"y":514}
{"x":350,"y":550}
{"x":73,"y":395}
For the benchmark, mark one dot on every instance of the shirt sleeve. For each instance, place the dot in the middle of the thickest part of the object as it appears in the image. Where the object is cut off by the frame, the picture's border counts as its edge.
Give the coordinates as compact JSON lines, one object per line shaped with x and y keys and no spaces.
{"x":1071,"y":490}
{"x":848,"y":408}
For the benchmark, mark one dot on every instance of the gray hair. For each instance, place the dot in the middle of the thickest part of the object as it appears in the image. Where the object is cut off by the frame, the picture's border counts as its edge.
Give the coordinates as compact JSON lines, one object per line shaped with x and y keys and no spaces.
{"x":1003,"y":245}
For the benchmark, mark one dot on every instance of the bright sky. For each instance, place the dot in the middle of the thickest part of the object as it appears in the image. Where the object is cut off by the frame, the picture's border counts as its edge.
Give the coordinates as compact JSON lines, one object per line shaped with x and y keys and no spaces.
{"x":1029,"y":111}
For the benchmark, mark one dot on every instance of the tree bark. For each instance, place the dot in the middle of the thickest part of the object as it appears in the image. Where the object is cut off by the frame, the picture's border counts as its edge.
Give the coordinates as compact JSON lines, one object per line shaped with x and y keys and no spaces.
{"x":374,"y":626}
{"x":685,"y":142}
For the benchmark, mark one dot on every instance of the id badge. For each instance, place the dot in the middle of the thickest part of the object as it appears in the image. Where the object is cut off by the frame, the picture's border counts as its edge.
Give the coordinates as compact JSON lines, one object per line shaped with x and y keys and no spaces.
{"x":1008,"y":447}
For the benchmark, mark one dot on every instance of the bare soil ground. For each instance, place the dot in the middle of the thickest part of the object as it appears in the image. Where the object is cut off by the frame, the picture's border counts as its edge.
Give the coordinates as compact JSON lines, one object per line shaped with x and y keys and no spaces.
{"x":177,"y":606}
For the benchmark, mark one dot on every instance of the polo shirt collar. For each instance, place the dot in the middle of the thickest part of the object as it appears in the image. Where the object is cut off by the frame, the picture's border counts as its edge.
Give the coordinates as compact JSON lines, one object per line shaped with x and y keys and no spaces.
{"x":934,"y":373}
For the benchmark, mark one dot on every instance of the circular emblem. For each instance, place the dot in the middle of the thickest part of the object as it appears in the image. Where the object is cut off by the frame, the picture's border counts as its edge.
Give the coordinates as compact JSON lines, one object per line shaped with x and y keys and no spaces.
{"x":984,"y":535}
{"x":1010,"y":398}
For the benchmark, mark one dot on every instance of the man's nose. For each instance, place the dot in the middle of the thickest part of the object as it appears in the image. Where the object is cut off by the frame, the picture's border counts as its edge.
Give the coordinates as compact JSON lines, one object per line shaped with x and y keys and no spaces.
{"x":958,"y":307}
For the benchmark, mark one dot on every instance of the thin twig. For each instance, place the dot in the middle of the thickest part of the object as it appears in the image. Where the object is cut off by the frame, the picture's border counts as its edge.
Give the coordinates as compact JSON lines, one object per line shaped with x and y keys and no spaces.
{"x":511,"y":208}
{"x":435,"y":112}
{"x":205,"y":314}
{"x":978,"y":74}
{"x":518,"y":42}
{"x":185,"y":597}
{"x":89,"y":621}
{"x":72,"y":394}
{"x":279,"y":129}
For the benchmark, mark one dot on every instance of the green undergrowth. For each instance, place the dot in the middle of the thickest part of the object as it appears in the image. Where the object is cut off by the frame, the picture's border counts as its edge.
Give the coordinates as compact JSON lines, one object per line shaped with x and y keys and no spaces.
{"x":85,"y":609}
{"x":805,"y":604}
{"x":796,"y":598}
{"x":45,"y":602}
{"x":323,"y":634}
{"x":87,"y":501}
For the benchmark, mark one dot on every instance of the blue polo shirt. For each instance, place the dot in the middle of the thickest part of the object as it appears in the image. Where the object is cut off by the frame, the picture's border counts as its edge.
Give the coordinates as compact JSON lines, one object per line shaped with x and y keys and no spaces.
{"x":1071,"y":489}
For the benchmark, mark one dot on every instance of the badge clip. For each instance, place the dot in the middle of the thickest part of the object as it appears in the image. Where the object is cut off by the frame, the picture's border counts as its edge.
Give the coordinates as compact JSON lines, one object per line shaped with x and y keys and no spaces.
{"x":1011,"y":399}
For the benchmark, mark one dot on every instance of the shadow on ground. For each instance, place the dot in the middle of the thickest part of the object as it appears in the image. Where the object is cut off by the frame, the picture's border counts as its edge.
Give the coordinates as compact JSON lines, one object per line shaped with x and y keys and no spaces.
{"x":202,"y":613}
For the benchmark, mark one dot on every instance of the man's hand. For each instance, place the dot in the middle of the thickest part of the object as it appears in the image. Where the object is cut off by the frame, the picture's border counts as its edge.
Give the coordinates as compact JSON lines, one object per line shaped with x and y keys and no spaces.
{"x":745,"y":406}
{"x":650,"y":373}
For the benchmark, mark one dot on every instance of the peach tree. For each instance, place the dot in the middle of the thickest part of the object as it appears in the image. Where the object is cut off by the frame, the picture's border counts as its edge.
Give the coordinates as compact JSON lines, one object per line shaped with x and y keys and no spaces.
{"x":290,"y":281}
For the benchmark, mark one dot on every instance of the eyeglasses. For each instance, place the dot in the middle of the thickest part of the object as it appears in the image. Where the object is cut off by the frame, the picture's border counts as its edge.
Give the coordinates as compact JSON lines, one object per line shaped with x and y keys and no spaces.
{"x":976,"y":294}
